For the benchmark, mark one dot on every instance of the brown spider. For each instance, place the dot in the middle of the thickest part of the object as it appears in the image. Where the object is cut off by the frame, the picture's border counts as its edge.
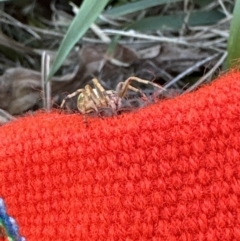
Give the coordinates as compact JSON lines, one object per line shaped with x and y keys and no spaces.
{"x":93,"y":99}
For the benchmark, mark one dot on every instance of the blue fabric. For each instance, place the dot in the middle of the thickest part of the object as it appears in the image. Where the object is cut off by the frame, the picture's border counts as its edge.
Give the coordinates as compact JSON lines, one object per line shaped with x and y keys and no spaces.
{"x":8,"y":224}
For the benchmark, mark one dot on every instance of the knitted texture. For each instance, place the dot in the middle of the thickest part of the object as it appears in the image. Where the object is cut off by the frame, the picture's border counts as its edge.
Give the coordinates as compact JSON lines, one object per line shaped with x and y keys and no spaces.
{"x":170,"y":171}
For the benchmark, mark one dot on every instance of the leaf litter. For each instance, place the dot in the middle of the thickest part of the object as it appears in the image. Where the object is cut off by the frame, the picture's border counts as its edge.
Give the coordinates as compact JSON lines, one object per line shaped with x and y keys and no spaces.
{"x":179,"y":60}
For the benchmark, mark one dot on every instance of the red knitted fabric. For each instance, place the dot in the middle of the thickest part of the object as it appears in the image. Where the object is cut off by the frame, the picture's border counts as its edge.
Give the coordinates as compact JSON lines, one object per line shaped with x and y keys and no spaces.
{"x":170,"y":171}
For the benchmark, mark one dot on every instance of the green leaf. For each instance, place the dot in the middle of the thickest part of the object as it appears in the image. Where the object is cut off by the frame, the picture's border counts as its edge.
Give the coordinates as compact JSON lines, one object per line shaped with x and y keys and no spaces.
{"x":202,"y":3}
{"x":136,"y":6}
{"x":87,"y":14}
{"x":176,"y":21}
{"x":234,"y":38}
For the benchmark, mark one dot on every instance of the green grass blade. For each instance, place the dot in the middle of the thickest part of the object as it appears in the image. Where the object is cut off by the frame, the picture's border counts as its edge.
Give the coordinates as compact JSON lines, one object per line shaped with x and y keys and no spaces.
{"x":175,"y":21}
{"x":88,"y":13}
{"x":202,"y":3}
{"x":234,"y":38}
{"x":136,"y":6}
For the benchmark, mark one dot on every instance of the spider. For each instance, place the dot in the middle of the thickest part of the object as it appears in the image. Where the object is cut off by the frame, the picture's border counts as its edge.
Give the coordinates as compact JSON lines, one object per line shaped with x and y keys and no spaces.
{"x":93,"y":99}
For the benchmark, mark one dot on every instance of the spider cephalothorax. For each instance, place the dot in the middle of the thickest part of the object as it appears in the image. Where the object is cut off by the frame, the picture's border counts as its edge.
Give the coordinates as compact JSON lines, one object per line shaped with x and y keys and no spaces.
{"x":97,"y":98}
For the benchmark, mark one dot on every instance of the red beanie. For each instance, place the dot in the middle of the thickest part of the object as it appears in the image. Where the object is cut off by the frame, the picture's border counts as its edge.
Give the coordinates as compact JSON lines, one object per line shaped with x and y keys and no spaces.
{"x":170,"y":171}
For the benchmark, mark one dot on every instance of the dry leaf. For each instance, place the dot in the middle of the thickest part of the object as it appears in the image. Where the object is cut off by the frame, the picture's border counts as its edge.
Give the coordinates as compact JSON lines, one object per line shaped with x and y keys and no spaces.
{"x":20,"y":89}
{"x":5,"y":117}
{"x":149,"y":53}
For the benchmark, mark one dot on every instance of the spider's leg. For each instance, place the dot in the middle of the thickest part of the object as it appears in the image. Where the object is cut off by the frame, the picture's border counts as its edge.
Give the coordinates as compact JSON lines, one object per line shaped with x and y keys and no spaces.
{"x":138,"y":91}
{"x":92,"y":98}
{"x":125,"y":85}
{"x":99,"y":88}
{"x":71,"y":96}
{"x":122,"y":88}
{"x":101,"y":92}
{"x":147,"y":82}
